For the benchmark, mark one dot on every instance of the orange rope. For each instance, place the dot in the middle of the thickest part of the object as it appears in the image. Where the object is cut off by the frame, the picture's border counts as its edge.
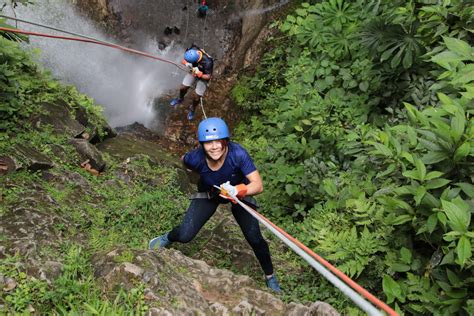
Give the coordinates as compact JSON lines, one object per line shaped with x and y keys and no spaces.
{"x":332,"y":268}
{"x":77,"y":39}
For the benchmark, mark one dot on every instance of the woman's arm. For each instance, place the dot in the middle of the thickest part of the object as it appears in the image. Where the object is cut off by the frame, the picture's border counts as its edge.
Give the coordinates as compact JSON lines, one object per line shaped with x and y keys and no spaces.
{"x":255,"y":185}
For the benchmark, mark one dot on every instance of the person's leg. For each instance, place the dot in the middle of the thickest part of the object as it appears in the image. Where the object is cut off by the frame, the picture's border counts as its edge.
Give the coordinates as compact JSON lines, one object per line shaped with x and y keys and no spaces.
{"x":188,"y":81}
{"x":201,"y":87}
{"x":198,"y":213}
{"x":196,"y":99}
{"x":251,"y":230}
{"x":182,"y":91}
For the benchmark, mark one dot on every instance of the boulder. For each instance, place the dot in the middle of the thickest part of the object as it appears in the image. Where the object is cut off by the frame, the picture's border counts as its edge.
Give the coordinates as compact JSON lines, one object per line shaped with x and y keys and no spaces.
{"x":89,"y":154}
{"x":176,"y":284}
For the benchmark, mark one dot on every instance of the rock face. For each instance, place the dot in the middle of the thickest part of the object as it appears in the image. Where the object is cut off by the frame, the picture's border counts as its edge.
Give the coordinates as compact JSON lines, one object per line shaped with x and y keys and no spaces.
{"x":229,"y":27}
{"x":232,"y":32}
{"x":176,"y":284}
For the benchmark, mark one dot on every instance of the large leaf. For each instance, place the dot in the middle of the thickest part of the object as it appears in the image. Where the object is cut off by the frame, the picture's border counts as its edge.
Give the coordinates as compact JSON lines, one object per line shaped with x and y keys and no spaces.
{"x":433,"y":157}
{"x":464,"y":75}
{"x":391,"y":288}
{"x":447,"y":60}
{"x":329,"y":185}
{"x":436,"y":183}
{"x":431,"y":223}
{"x":467,"y":188}
{"x":459,"y":47}
{"x":458,"y":218}
{"x":458,"y":122}
{"x":421,"y":168}
{"x":462,"y":152}
{"x":463,"y":250}
{"x":448,"y":104}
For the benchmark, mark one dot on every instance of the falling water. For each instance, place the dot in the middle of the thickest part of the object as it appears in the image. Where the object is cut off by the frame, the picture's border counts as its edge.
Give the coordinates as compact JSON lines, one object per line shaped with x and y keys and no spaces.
{"x":253,"y":12}
{"x":125,"y":85}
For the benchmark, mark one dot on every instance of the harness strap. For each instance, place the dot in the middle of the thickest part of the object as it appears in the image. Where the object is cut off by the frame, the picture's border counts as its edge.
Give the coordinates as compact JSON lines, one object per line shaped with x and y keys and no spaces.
{"x":208,"y":196}
{"x":200,"y":195}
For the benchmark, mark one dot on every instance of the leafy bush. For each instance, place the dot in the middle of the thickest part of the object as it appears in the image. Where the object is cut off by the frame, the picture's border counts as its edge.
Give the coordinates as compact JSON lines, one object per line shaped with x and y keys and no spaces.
{"x":366,"y":148}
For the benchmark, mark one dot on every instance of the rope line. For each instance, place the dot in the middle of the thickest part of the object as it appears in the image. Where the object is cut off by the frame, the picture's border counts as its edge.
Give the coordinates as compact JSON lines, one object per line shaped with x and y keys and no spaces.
{"x":93,"y":41}
{"x":187,"y":23}
{"x":310,"y":257}
{"x":202,"y":108}
{"x":53,"y":28}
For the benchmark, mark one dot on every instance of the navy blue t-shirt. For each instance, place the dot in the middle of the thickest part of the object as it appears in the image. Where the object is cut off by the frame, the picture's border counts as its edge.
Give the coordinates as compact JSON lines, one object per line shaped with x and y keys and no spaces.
{"x":206,"y":64}
{"x":237,"y":165}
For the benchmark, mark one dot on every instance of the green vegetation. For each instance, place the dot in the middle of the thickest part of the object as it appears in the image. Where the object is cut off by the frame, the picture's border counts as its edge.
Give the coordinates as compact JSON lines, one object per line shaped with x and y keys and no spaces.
{"x":73,"y":292}
{"x":362,"y":128}
{"x":361,"y":123}
{"x":123,"y":207}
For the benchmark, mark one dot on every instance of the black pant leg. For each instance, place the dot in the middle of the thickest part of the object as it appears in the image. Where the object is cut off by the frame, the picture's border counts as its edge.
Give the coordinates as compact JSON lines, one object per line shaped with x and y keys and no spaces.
{"x":198,"y":213}
{"x":251,"y":230}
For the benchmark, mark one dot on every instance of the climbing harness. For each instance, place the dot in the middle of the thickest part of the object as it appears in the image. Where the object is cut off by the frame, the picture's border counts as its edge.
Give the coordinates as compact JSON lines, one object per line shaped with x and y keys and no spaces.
{"x":331,"y":273}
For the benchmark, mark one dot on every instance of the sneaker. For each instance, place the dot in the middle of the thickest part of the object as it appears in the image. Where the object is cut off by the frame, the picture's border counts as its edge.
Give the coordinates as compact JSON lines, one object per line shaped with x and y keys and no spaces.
{"x":272,"y":284}
{"x":176,"y":101}
{"x":162,"y":240}
{"x":190,"y":115}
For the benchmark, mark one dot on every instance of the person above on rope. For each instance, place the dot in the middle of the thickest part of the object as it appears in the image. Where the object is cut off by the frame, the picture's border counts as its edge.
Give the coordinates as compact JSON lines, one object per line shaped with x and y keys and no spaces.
{"x":226,"y":164}
{"x":201,"y":66}
{"x":202,"y":9}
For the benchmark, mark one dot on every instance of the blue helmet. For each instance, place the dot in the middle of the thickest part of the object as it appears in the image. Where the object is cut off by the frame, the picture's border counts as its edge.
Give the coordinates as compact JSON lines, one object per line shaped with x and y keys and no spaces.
{"x":192,"y":56}
{"x":213,"y":128}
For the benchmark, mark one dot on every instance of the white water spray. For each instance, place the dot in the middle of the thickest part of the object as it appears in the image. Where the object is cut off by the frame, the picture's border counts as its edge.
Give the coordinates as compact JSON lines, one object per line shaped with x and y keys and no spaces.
{"x":259,"y":11}
{"x":125,"y":85}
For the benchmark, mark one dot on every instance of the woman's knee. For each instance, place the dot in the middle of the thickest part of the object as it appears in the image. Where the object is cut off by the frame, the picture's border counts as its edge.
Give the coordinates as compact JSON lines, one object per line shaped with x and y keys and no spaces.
{"x":257,"y":242}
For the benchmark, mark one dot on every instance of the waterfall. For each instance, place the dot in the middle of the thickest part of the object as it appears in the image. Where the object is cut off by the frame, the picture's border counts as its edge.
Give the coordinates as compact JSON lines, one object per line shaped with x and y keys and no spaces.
{"x":125,"y":85}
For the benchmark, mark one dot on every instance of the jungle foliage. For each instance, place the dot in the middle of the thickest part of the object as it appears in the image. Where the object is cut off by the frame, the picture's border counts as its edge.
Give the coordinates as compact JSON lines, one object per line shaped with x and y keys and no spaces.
{"x":100,"y":214}
{"x":362,"y":128}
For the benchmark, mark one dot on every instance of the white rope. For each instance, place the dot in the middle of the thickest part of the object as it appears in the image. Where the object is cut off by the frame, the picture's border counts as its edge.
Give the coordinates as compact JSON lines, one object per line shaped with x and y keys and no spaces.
{"x":187,"y":23}
{"x":202,"y":107}
{"x":353,"y":295}
{"x":343,"y":287}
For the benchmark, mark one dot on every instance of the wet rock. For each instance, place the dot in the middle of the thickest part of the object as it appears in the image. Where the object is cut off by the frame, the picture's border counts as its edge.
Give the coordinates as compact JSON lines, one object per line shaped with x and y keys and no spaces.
{"x":323,"y":309}
{"x":93,"y":136}
{"x":9,"y":285}
{"x":27,"y":157}
{"x":125,"y":146}
{"x":59,"y":117}
{"x":176,"y":284}
{"x":7,"y":165}
{"x":87,"y":151}
{"x":50,"y":271}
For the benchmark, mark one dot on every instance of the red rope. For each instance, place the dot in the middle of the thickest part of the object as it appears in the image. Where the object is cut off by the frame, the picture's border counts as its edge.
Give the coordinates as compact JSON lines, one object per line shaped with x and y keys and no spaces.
{"x":333,"y":269}
{"x":85,"y":40}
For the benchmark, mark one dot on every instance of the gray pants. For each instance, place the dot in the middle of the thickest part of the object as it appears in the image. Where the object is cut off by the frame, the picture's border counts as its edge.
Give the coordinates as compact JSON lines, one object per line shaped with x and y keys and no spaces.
{"x":201,"y":85}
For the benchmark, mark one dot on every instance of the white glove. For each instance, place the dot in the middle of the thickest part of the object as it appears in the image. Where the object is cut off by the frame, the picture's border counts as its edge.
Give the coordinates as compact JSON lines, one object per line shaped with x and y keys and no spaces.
{"x":230,"y":189}
{"x":189,"y":65}
{"x":197,"y":73}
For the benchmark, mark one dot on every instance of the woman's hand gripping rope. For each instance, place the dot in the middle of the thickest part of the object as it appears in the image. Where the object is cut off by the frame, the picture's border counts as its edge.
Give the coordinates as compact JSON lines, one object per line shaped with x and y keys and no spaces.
{"x":231,"y":192}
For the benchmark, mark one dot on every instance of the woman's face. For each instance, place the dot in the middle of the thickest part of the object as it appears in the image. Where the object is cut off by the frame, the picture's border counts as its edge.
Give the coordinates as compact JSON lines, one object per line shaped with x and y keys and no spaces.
{"x":214,"y":149}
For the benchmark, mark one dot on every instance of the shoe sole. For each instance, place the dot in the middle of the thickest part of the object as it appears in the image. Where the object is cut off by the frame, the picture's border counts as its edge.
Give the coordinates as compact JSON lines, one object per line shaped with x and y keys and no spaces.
{"x":152,"y":243}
